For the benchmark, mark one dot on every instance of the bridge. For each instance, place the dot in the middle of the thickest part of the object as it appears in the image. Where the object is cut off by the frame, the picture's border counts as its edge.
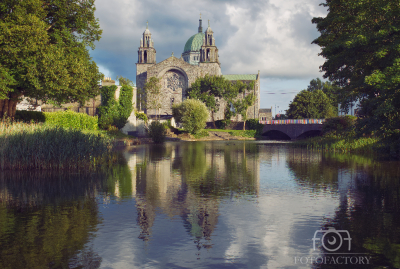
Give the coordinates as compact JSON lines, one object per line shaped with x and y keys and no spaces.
{"x":292,"y":129}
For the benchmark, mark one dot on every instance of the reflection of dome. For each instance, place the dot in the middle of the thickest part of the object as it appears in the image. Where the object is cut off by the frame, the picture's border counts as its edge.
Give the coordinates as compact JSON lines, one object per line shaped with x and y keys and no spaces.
{"x":194,"y":43}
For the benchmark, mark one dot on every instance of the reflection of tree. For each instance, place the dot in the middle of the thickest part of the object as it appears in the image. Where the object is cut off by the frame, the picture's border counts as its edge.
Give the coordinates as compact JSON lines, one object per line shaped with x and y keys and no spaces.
{"x":370,"y":209}
{"x":46,"y":222}
{"x":312,"y":169}
{"x":119,"y":181}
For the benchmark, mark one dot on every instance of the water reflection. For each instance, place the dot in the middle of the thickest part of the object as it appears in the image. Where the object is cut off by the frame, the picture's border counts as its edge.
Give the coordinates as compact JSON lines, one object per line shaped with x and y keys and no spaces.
{"x":188,"y":180}
{"x":369,"y":207}
{"x":46,"y":219}
{"x":201,"y":205}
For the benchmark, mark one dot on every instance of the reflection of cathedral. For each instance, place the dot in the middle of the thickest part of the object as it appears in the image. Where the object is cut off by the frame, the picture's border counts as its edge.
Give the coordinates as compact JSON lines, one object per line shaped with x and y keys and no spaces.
{"x":189,"y":180}
{"x":200,"y":57}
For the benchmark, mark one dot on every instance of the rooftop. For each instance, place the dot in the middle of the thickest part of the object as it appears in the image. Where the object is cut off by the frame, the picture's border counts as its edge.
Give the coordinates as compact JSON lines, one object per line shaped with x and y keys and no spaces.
{"x":241,"y":77}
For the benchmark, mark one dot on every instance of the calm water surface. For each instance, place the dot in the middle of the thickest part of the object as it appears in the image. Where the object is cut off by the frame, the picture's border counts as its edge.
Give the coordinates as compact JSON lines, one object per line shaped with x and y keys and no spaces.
{"x":206,"y":205}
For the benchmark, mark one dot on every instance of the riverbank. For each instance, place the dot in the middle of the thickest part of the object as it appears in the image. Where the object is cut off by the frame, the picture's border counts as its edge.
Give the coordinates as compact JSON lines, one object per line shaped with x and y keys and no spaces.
{"x":213,"y":136}
{"x":363,"y":145}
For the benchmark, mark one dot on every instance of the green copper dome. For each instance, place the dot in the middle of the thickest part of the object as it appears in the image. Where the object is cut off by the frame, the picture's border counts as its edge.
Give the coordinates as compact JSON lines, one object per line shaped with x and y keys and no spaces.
{"x":194,"y":43}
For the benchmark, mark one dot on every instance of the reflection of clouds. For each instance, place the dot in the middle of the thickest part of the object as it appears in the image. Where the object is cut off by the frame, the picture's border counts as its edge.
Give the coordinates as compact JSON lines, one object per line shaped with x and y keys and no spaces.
{"x":271,"y":222}
{"x":273,"y":226}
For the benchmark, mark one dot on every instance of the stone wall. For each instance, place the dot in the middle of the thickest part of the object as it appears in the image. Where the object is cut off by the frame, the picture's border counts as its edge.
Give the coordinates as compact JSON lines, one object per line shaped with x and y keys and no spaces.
{"x":174,"y":90}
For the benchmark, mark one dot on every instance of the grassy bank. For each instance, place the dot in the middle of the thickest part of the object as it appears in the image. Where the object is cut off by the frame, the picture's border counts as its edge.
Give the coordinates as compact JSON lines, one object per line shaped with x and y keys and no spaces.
{"x":340,"y":144}
{"x":241,"y":133}
{"x":25,"y":146}
{"x":340,"y":135}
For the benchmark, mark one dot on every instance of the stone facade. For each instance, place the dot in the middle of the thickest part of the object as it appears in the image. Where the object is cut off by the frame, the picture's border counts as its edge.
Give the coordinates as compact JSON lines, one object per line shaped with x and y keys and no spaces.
{"x":265,"y":114}
{"x":177,"y":74}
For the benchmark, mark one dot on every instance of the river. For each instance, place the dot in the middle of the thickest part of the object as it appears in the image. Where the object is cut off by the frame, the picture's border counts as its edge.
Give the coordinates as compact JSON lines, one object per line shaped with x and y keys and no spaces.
{"x":214,"y":204}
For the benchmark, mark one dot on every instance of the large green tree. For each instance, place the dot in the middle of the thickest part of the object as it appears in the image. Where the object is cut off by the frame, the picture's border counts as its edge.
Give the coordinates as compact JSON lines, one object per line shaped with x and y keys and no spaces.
{"x":333,"y":92}
{"x":43,"y":51}
{"x":360,"y":41}
{"x":310,"y":105}
{"x":210,"y":90}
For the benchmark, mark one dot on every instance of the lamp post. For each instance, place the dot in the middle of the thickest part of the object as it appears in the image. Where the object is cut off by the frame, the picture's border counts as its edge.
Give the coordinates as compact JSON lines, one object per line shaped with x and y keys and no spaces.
{"x":275,"y":110}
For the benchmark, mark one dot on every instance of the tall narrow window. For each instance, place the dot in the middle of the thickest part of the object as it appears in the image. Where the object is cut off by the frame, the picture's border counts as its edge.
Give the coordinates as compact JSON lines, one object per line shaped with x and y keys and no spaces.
{"x":145,"y":56}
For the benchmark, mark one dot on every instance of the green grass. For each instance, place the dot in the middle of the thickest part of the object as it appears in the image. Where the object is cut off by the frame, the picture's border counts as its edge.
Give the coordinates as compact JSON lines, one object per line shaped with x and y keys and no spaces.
{"x":201,"y":134}
{"x":340,"y":144}
{"x":245,"y":133}
{"x":240,"y":133}
{"x":25,"y":146}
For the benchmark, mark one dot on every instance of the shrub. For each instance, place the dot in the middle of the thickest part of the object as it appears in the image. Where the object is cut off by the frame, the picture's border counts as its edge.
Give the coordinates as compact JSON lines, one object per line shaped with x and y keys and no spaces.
{"x":124,"y":106}
{"x":222,"y":124}
{"x":71,"y":119}
{"x":113,"y":112}
{"x":28,"y":116}
{"x":253,"y":124}
{"x":192,"y":114}
{"x":157,"y":131}
{"x":141,"y":116}
{"x":342,"y":125}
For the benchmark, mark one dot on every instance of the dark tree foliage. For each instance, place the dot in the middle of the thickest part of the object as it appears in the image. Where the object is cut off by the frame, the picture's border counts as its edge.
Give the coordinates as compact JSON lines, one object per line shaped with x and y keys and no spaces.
{"x":310,"y":105}
{"x":115,"y":112}
{"x":333,"y":92}
{"x":360,"y":41}
{"x":43,"y":51}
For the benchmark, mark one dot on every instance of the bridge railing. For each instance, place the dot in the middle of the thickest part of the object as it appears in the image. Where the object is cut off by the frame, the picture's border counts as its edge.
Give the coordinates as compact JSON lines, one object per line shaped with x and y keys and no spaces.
{"x":297,"y":121}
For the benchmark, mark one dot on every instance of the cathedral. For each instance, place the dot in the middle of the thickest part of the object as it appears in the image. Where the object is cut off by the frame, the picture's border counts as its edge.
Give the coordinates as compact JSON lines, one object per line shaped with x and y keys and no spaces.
{"x":199,"y":57}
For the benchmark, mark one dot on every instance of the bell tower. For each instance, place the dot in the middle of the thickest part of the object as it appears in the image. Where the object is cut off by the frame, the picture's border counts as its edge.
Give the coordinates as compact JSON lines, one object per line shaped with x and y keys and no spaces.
{"x":209,"y":52}
{"x":146,"y":52}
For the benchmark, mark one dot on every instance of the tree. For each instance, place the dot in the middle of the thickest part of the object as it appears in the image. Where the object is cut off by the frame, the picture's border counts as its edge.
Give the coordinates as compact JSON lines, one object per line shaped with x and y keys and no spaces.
{"x":213,"y":89}
{"x":125,"y":81}
{"x":152,"y":89}
{"x":242,"y":105}
{"x":359,"y":40}
{"x":192,"y":114}
{"x":115,"y":112}
{"x":210,"y":90}
{"x":333,"y":92}
{"x":306,"y":105}
{"x":43,"y":52}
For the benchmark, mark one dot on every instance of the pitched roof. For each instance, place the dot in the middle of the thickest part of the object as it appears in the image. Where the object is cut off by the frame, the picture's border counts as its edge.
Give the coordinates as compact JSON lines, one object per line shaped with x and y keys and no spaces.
{"x":241,"y":77}
{"x":264,"y":110}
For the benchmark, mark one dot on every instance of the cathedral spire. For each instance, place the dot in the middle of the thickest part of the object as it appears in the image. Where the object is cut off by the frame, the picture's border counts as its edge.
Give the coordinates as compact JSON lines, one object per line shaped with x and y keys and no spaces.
{"x":200,"y":27}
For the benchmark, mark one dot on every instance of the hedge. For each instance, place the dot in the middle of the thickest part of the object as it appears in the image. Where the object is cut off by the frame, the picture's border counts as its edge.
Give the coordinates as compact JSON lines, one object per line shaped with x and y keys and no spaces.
{"x":67,"y":119}
{"x":113,"y":112}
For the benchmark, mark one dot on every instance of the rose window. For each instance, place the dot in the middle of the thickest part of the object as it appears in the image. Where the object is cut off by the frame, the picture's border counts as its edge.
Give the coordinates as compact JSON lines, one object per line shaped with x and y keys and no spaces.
{"x":174,"y":82}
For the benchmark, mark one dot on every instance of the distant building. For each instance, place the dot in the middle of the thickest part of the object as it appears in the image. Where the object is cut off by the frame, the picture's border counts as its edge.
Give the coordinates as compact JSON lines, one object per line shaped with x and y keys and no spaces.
{"x":265,"y":114}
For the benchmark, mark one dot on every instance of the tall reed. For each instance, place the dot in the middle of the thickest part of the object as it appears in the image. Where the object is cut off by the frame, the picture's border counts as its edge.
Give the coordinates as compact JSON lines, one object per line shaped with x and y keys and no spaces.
{"x":37,"y":146}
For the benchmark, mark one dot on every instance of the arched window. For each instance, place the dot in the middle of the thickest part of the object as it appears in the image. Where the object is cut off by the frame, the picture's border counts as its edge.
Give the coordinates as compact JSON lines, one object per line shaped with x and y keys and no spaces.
{"x":145,"y":56}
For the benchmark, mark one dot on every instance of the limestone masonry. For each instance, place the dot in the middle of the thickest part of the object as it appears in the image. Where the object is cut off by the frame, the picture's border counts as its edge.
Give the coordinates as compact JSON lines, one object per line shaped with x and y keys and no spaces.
{"x":200,"y":57}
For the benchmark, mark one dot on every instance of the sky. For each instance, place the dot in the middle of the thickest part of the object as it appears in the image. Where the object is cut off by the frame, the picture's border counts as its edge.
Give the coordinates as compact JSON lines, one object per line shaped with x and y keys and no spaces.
{"x":270,"y":36}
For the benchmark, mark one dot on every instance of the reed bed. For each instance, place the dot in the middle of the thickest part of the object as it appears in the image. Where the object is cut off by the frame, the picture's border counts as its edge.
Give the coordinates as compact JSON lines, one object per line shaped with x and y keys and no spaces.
{"x":340,"y":144}
{"x":26,"y":146}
